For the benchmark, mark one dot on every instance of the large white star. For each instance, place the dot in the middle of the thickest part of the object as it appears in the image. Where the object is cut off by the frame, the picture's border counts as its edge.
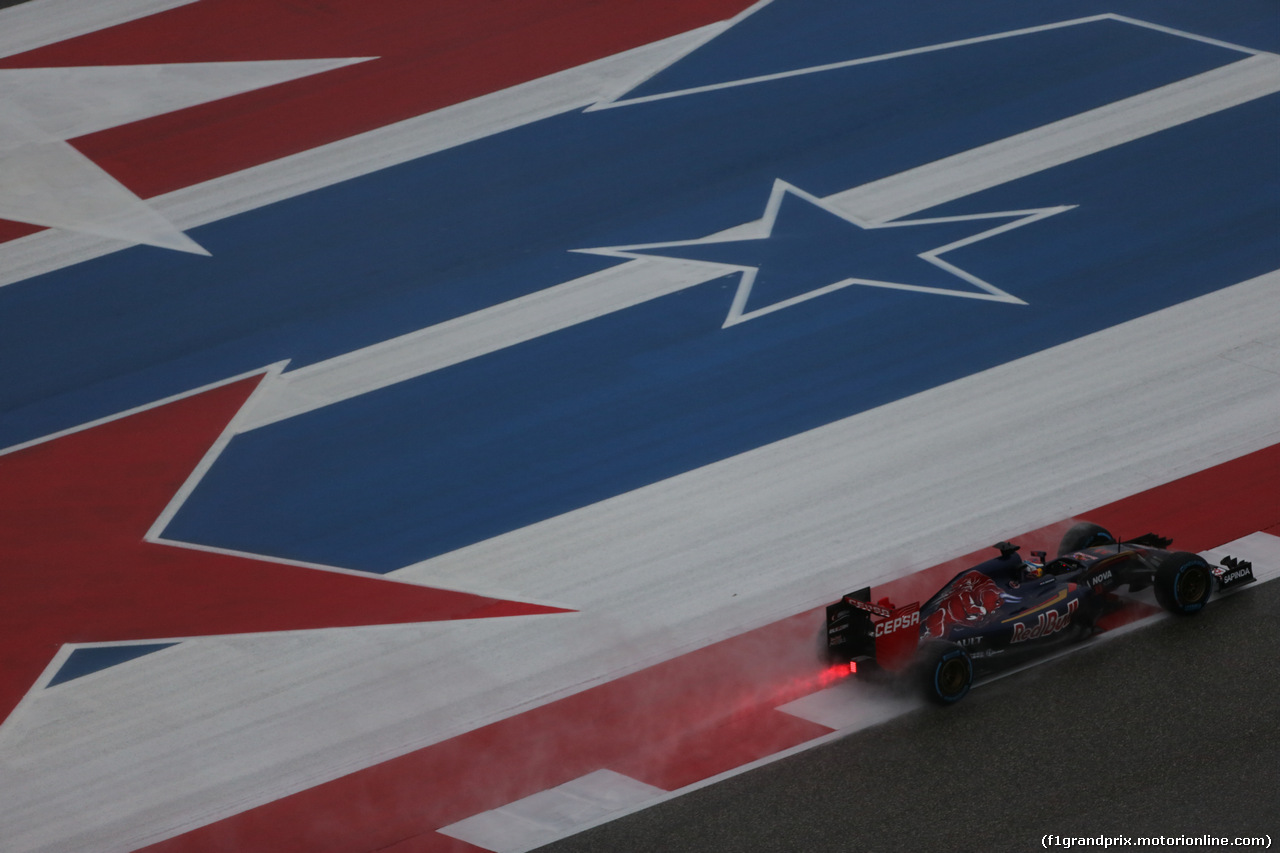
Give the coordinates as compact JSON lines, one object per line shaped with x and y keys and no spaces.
{"x":45,"y":181}
{"x":824,"y":248}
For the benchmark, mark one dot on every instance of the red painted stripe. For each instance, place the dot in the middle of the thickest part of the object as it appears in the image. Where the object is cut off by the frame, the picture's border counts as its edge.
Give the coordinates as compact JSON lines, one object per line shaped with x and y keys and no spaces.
{"x":431,"y":55}
{"x":677,"y":722}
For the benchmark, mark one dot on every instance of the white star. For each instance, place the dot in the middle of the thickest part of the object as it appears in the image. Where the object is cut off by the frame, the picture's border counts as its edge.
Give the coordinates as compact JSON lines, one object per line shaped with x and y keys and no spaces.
{"x":846,"y":243}
{"x":45,"y":181}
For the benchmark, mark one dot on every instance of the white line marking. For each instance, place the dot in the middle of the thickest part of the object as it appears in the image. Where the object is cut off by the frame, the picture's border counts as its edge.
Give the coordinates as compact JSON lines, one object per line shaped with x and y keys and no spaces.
{"x":623,"y":286}
{"x":916,"y":51}
{"x":554,"y":813}
{"x":1183,"y":34}
{"x":848,"y":63}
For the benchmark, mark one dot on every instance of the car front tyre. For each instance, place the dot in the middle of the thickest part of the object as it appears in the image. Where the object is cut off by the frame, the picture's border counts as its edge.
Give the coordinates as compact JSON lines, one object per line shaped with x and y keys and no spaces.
{"x":1183,"y":583}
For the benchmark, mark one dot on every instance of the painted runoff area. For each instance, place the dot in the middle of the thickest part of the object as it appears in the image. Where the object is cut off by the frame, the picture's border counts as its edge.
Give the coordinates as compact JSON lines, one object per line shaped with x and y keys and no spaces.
{"x":471,"y":404}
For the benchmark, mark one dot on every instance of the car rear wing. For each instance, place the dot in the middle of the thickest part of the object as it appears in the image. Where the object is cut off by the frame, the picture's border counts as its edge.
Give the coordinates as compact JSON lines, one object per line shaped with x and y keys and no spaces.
{"x":859,"y":630}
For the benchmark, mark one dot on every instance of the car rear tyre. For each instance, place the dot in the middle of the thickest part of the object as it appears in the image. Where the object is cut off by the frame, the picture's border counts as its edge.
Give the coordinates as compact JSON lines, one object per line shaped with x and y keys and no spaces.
{"x":1183,"y":583}
{"x":1085,"y":535}
{"x":945,"y":672}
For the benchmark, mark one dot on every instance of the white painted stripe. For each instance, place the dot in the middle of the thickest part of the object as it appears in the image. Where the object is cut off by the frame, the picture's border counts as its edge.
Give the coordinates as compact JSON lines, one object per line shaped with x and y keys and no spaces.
{"x":469,"y":336}
{"x":631,"y":283}
{"x":554,"y":813}
{"x":42,"y":22}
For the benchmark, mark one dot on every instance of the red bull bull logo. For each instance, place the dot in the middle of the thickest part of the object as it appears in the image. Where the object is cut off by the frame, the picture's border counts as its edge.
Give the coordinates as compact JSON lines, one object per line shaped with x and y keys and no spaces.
{"x":974,"y":597}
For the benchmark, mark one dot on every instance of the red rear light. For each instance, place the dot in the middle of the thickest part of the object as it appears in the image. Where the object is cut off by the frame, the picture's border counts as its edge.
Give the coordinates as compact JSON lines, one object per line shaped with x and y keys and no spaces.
{"x":853,"y":667}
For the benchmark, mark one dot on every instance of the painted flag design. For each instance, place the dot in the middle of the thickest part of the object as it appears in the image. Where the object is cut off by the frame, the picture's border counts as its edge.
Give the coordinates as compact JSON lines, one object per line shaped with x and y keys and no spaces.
{"x":506,"y":312}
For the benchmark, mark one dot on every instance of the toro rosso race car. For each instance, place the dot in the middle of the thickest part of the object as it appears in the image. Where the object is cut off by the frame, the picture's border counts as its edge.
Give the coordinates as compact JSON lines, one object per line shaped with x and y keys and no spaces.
{"x":1004,"y":611}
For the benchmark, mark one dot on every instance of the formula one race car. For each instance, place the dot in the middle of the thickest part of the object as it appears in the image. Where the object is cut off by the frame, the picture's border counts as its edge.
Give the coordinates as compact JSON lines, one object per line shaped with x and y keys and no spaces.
{"x":1004,"y":611}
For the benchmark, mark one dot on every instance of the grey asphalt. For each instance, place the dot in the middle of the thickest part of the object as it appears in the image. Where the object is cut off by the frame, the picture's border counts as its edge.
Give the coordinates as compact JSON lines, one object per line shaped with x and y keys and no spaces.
{"x":1171,"y":730}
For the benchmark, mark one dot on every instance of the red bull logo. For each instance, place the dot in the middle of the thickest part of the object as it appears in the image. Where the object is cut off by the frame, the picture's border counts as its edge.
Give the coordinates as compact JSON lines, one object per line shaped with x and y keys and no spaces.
{"x":1047,"y":623}
{"x":974,"y":597}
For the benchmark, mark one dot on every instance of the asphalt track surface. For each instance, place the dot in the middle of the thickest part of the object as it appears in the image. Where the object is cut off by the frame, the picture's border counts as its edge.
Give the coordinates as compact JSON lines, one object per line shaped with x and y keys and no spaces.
{"x":1171,"y":730}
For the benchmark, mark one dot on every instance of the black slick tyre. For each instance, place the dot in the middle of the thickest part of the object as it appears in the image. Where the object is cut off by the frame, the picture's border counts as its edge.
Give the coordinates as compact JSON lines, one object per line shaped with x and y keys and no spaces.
{"x":944,"y":672}
{"x":1183,"y":583}
{"x":1084,"y":534}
